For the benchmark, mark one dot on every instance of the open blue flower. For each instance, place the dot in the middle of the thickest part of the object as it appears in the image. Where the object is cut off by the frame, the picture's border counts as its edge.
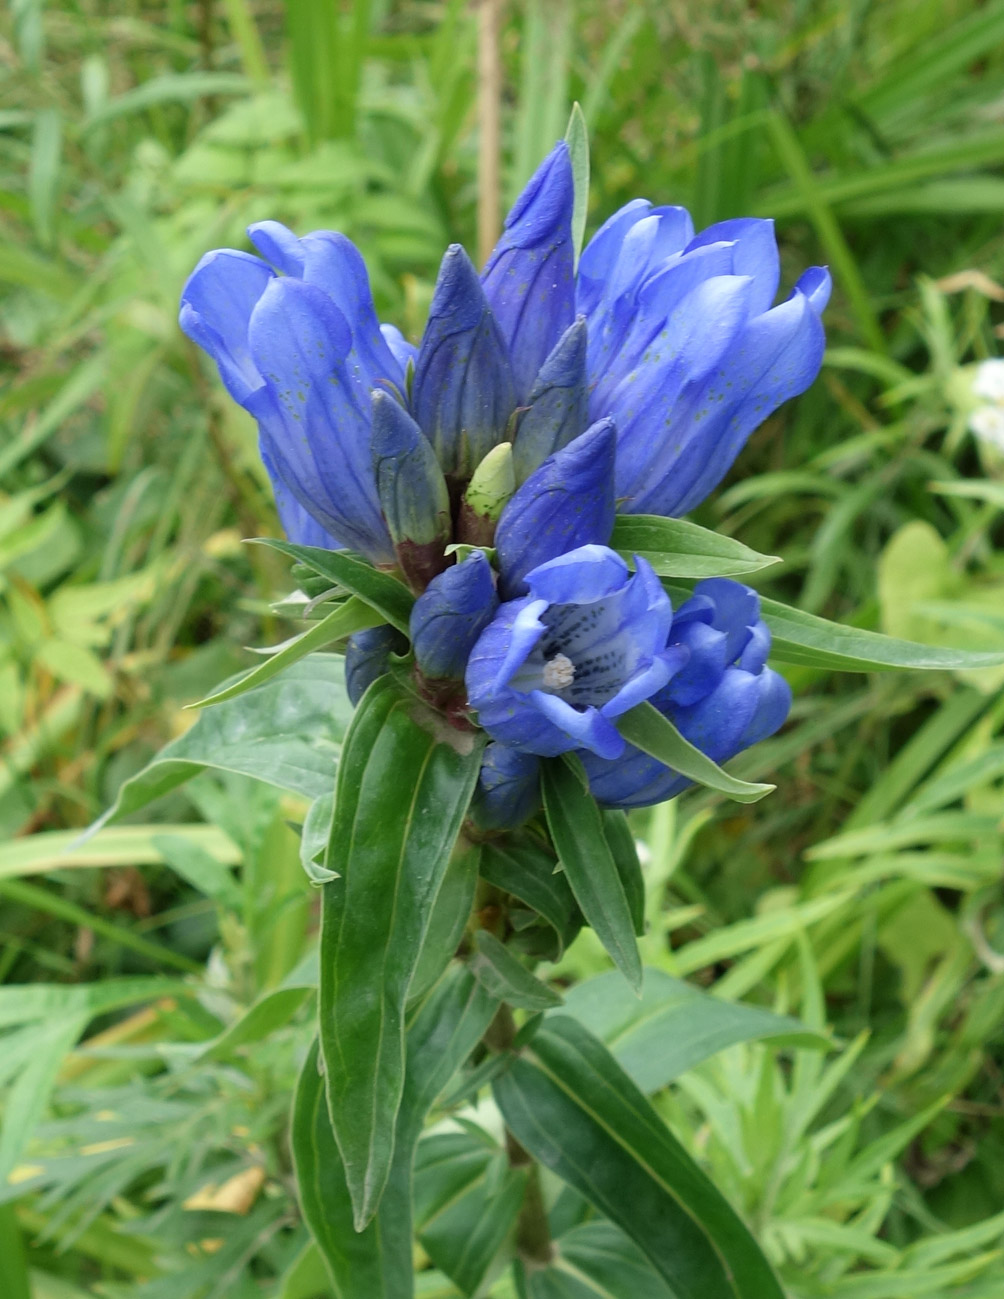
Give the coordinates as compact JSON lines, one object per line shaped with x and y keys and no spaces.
{"x":554,"y":670}
{"x":723,"y":700}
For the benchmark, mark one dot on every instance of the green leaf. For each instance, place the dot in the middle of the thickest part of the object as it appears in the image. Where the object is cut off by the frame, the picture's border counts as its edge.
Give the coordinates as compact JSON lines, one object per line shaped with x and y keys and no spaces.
{"x":522,"y":866}
{"x":809,"y":641}
{"x":597,"y":1261}
{"x":16,"y":1279}
{"x":386,"y":594}
{"x":678,"y":548}
{"x":286,"y":733}
{"x":568,"y":1102}
{"x":352,"y":616}
{"x":28,"y":1097}
{"x":577,"y":139}
{"x":506,"y":978}
{"x":376,"y":1263}
{"x":624,"y":850}
{"x":646,"y":728}
{"x":449,"y":917}
{"x":124,"y":845}
{"x":673,"y":1026}
{"x":404,"y":784}
{"x":576,"y":826}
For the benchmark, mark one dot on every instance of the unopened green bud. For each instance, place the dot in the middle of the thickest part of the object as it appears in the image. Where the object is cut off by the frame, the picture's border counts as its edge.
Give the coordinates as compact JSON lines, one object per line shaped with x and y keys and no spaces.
{"x":494,"y":482}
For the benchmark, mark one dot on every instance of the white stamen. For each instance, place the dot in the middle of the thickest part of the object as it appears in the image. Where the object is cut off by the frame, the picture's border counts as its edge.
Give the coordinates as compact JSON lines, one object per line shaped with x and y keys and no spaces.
{"x":558,"y":672}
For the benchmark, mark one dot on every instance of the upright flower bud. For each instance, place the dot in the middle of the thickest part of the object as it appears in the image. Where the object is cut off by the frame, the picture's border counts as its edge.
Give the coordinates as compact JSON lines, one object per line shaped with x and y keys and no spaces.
{"x":450,"y":615}
{"x":463,"y":390}
{"x":557,"y":405}
{"x":412,"y":491}
{"x":568,"y":502}
{"x":508,"y":788}
{"x":367,"y":657}
{"x":487,"y":494}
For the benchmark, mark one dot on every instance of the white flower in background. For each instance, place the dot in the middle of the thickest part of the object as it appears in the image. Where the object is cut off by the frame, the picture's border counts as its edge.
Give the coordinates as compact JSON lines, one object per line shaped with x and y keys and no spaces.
{"x":987,"y":420}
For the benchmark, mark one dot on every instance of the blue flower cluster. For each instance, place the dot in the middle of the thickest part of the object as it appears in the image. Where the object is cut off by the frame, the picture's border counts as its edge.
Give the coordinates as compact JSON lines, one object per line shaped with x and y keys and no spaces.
{"x":541,"y":400}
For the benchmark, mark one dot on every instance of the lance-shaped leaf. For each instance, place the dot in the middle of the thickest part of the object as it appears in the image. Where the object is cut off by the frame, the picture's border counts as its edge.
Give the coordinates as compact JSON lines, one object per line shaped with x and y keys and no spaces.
{"x":573,"y":1108}
{"x":646,"y":728}
{"x":386,"y":594}
{"x":405,"y":782}
{"x":576,"y":826}
{"x":679,"y":548}
{"x":506,"y":977}
{"x":377,"y":1262}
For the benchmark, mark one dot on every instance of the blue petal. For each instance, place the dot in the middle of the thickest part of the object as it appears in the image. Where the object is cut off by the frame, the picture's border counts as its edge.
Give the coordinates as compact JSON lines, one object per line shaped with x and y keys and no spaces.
{"x":773,"y":706}
{"x":600,"y":255}
{"x":582,"y":728}
{"x":754,"y":656}
{"x":590,"y":573}
{"x":410,"y":483}
{"x":508,"y":790}
{"x":400,"y":348}
{"x":216,"y":305}
{"x":463,"y":390}
{"x":567,"y":503}
{"x":754,"y":254}
{"x":367,"y":658}
{"x":298,"y":525}
{"x":736,"y":609}
{"x":449,"y":616}
{"x":557,"y":403}
{"x":776,"y":356}
{"x":335,"y":265}
{"x":279,"y":246}
{"x":314,"y":426}
{"x":528,"y":278}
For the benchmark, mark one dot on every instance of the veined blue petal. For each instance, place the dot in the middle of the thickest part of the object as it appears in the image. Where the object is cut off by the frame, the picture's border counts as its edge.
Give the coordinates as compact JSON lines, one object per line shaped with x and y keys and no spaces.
{"x":568,"y":502}
{"x":584,"y":728}
{"x":600,"y":255}
{"x":216,"y":305}
{"x":400,"y":348}
{"x":775,"y":357}
{"x":334,"y":264}
{"x":410,"y":483}
{"x":589,"y":573}
{"x":314,"y":426}
{"x":528,"y":279}
{"x":463,"y":390}
{"x":299,"y":526}
{"x":367,"y":657}
{"x":508,"y":790}
{"x":279,"y":246}
{"x":557,"y":403}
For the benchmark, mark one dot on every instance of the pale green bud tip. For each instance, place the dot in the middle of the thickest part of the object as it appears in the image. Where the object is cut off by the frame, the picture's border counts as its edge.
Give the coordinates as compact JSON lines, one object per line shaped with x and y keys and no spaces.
{"x":493,"y":483}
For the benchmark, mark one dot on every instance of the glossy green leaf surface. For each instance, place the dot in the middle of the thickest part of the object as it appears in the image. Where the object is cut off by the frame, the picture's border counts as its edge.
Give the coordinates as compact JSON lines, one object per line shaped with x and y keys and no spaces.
{"x":572,"y":1106}
{"x":576,"y":826}
{"x":376,"y":1263}
{"x":646,"y":728}
{"x":679,"y":548}
{"x":521,"y":866}
{"x":404,"y":784}
{"x":506,"y":977}
{"x":352,"y":616}
{"x":597,"y":1261}
{"x":386,"y":594}
{"x":673,"y":1026}
{"x":620,"y":841}
{"x":287,"y":732}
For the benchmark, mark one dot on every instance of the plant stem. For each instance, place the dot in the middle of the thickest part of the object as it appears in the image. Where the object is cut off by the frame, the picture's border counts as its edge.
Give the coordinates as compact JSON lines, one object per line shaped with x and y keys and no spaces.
{"x":533,"y":1232}
{"x":489,"y":126}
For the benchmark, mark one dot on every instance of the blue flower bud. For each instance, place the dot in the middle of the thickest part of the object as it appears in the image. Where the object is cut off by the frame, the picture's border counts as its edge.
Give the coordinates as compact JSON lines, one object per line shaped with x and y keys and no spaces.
{"x":557,"y":404}
{"x":723,"y":699}
{"x":450,"y":615}
{"x":529,"y":277}
{"x":566,"y":503}
{"x":412,"y":491}
{"x":508,"y":789}
{"x":463,"y":391}
{"x":553,"y":671}
{"x":367,"y":656}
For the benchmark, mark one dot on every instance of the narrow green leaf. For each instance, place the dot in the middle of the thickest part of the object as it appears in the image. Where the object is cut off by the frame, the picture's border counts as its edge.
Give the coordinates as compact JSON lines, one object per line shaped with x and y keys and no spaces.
{"x":348,"y":618}
{"x":403,"y":787}
{"x":646,"y":728}
{"x":673,"y":1026}
{"x":577,"y":139}
{"x":376,"y":1263}
{"x":572,"y":1106}
{"x":602,"y":1258}
{"x":27,"y":1099}
{"x":125,"y":845}
{"x":506,"y":978}
{"x":576,"y":826}
{"x":679,"y":548}
{"x":173,"y":88}
{"x":286,"y":732}
{"x":16,"y":1280}
{"x":624,"y":850}
{"x":386,"y":594}
{"x":450,"y":914}
{"x":522,"y":866}
{"x":810,"y":641}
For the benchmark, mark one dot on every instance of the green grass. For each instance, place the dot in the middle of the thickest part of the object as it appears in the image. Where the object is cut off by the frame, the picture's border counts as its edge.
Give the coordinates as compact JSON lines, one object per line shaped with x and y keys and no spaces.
{"x":862,"y":895}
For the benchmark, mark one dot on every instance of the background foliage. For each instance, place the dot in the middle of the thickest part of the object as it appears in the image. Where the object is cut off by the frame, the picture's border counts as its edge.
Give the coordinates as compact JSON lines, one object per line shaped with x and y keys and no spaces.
{"x":157,"y":984}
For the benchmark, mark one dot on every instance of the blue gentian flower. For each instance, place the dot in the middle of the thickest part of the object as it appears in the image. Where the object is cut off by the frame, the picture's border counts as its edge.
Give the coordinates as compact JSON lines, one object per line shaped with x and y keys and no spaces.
{"x":723,"y":700}
{"x":554,"y":670}
{"x":673,"y":336}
